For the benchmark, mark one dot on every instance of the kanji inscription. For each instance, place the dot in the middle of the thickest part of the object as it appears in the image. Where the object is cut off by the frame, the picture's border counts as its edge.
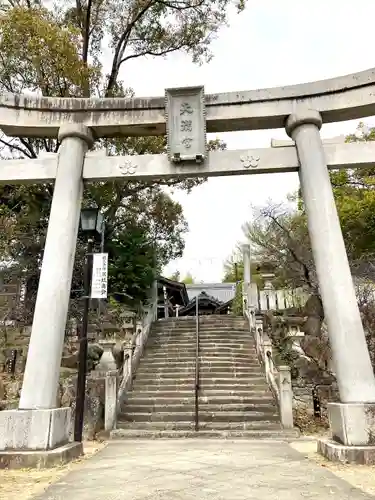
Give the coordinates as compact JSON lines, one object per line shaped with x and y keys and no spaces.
{"x":186,"y":124}
{"x":186,"y":109}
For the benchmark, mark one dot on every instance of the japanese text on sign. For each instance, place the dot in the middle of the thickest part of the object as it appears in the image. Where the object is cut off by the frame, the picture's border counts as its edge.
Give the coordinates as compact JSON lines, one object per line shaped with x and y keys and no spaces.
{"x":186,"y":124}
{"x":99,"y":282}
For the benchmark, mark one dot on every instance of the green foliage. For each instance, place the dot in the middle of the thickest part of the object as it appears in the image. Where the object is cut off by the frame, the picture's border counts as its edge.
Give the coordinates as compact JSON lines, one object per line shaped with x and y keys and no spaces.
{"x":354,"y":192}
{"x":279,"y":239}
{"x":233,"y":269}
{"x":57,"y":50}
{"x":175,"y":276}
{"x":132,"y":264}
{"x":279,"y":235}
{"x":236,"y":260}
{"x":188,"y":280}
{"x":37,"y":54}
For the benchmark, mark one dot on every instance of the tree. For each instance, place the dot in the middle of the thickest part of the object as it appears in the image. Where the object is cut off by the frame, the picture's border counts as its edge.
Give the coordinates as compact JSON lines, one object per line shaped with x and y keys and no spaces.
{"x":355,"y":199}
{"x":233,"y":267}
{"x":57,"y":51}
{"x":279,"y":234}
{"x":188,"y":280}
{"x":278,"y":237}
{"x":175,"y":276}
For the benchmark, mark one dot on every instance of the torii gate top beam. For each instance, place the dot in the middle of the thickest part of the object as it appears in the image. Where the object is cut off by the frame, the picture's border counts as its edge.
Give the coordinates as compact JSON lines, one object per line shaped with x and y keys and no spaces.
{"x":338,"y":99}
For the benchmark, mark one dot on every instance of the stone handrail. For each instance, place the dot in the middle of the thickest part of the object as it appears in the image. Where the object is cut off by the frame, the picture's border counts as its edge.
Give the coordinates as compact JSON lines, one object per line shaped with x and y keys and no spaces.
{"x":278,"y":377}
{"x":338,"y":99}
{"x":116,"y":392}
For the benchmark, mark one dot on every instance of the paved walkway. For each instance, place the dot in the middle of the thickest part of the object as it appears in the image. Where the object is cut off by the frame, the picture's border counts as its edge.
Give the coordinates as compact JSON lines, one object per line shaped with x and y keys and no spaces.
{"x":202,"y":470}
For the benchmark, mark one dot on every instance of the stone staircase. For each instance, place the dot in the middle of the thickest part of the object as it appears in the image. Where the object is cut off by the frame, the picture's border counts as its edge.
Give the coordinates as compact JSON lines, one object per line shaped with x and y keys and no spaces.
{"x":234,"y":397}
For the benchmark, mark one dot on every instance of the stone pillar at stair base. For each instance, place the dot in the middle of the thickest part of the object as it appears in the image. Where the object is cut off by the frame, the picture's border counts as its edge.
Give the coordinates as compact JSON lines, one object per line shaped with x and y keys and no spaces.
{"x":351,"y":421}
{"x":38,"y":430}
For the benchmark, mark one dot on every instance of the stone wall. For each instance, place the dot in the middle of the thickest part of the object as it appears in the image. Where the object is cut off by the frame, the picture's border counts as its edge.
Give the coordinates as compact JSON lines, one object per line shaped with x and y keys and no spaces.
{"x":12,"y":340}
{"x":303,"y":404}
{"x":300,"y":341}
{"x":16,"y":340}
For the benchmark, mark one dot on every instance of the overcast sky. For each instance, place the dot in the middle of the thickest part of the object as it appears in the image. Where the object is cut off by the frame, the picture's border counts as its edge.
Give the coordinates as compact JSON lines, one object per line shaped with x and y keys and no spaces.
{"x":272,"y":43}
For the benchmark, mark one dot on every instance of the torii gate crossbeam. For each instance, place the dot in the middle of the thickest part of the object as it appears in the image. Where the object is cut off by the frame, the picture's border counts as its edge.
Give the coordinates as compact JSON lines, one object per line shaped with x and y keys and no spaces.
{"x":99,"y":167}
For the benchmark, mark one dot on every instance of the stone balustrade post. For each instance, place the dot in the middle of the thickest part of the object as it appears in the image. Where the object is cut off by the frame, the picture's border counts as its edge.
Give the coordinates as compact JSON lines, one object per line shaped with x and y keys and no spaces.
{"x":128,"y":356}
{"x":285,"y":397}
{"x":139,"y":331}
{"x":267,"y":348}
{"x":259,"y":331}
{"x":110,"y":405}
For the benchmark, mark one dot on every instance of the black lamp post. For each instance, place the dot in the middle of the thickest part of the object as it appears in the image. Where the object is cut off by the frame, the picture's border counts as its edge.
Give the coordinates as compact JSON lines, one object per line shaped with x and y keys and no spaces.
{"x":92,"y":227}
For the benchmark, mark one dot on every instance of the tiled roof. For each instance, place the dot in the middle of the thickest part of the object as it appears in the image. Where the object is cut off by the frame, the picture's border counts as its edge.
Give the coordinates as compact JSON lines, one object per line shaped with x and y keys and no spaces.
{"x":220,"y":291}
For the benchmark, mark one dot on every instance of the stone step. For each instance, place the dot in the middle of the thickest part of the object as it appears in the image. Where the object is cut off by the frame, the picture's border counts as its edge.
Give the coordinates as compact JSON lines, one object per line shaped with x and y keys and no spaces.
{"x":132,"y":407}
{"x":202,"y":341}
{"x":188,"y":392}
{"x":203,"y":365}
{"x":229,"y":388}
{"x":266,"y":414}
{"x":151,"y":400}
{"x":274,"y":434}
{"x":215,"y":352}
{"x":204,"y":361}
{"x":202,"y":328}
{"x":168,"y":372}
{"x":203,"y":375}
{"x":202,"y":346}
{"x":228,"y":362}
{"x":213,"y":334}
{"x":209,"y":360}
{"x":244,"y":360}
{"x":189,"y":425}
{"x":221,"y":333}
{"x":205,"y":381}
{"x":203,"y":320}
{"x":209,"y":346}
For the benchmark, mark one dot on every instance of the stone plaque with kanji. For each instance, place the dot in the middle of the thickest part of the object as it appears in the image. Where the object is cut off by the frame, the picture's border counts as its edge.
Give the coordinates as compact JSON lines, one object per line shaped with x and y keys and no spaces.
{"x":186,"y":124}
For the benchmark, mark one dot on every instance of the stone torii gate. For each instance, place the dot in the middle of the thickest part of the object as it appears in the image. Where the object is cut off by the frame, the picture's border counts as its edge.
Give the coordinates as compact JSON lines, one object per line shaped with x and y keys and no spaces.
{"x":185,"y":115}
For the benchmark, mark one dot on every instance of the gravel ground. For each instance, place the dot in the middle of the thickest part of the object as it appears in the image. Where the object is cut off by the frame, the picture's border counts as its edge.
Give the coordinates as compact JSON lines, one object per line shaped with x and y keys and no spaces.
{"x":24,"y":484}
{"x":359,"y":476}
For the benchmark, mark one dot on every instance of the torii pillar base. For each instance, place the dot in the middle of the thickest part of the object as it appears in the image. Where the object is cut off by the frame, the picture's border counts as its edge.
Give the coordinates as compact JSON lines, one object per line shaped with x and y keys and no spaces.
{"x":352,"y":439}
{"x":36,"y":438}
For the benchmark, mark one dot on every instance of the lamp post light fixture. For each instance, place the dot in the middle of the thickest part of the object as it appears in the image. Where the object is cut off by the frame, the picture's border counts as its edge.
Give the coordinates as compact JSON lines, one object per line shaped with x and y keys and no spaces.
{"x":92,"y":224}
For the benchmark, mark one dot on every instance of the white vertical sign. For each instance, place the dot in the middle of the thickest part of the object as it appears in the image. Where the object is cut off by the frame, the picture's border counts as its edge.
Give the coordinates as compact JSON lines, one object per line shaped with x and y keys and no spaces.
{"x":99,"y":281}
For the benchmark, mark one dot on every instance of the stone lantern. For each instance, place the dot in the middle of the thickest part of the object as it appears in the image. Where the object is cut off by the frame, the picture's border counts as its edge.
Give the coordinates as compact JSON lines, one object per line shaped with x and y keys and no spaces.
{"x":266,"y":269}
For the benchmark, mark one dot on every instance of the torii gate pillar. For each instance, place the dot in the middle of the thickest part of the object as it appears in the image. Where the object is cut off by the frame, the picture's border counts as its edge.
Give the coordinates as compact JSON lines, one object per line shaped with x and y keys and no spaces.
{"x":38,"y":424}
{"x":352,"y":420}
